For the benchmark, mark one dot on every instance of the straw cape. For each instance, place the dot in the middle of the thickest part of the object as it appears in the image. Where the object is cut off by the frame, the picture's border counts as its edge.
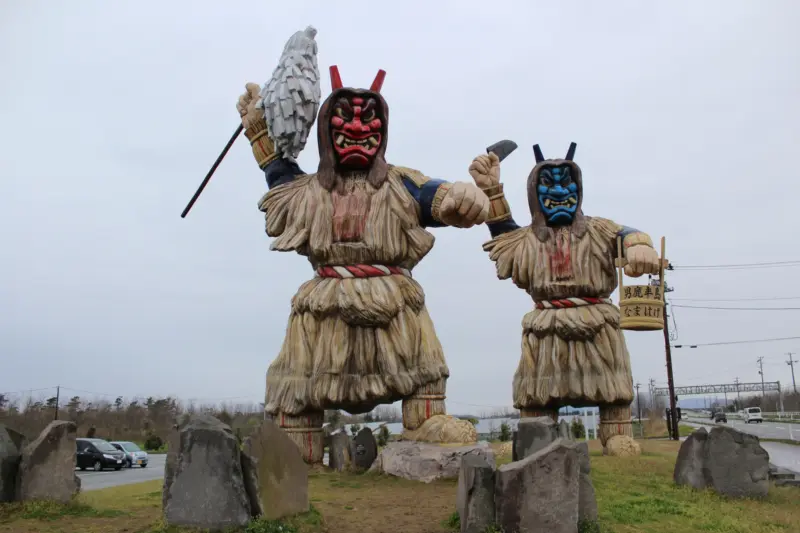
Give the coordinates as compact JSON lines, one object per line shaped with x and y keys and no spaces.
{"x":352,"y":343}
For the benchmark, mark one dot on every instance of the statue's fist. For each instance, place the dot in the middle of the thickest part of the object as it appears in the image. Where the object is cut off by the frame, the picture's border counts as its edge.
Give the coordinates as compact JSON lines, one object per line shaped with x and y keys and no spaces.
{"x":642,"y":259}
{"x":485,"y":170}
{"x":464,"y":206}
{"x":246,"y":106}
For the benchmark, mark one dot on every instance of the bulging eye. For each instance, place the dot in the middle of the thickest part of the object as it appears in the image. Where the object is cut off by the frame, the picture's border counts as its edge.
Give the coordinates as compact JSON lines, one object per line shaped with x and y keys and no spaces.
{"x":546,"y":181}
{"x":339,"y":112}
{"x":566,"y":180}
{"x":369,"y":116}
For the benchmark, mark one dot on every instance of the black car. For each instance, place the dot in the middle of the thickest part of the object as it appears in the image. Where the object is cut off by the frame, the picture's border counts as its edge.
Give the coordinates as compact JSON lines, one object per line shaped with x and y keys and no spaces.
{"x":98,"y":454}
{"x":720,"y":417}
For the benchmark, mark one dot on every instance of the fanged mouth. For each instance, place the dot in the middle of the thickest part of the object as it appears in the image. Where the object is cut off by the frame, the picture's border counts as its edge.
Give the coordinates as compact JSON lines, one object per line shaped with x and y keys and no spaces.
{"x":369,"y":142}
{"x":552,"y":204}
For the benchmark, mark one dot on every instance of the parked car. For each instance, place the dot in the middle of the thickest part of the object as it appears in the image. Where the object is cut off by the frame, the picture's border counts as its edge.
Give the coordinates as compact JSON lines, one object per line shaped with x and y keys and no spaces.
{"x":753,"y":414}
{"x":720,"y":416}
{"x":133,"y":454}
{"x":98,"y":454}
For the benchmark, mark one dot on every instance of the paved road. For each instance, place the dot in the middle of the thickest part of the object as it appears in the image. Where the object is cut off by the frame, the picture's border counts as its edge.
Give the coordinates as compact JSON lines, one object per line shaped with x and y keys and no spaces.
{"x":111,"y":478}
{"x":783,"y":455}
{"x":765,"y":430}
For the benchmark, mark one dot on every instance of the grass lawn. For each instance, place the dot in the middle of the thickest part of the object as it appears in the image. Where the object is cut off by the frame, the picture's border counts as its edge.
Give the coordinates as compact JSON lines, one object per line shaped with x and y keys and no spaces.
{"x":634,"y":496}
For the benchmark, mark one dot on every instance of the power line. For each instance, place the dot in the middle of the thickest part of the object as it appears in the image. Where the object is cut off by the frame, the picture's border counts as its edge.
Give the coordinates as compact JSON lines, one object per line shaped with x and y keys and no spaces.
{"x":735,"y":342}
{"x":737,"y":299}
{"x":739,"y":308}
{"x":29,"y":390}
{"x":770,"y":264}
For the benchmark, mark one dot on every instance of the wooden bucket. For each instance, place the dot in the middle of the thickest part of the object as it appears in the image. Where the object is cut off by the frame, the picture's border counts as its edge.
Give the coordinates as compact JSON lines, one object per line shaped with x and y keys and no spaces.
{"x":641,"y":307}
{"x":306,"y":431}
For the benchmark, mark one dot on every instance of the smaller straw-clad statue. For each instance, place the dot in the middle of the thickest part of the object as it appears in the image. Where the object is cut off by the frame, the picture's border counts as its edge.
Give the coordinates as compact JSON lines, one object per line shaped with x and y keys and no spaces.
{"x":573,"y":351}
{"x":359,"y":334}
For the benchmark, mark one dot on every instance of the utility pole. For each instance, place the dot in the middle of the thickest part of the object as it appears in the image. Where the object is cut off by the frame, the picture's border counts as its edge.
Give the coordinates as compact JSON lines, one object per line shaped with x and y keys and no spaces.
{"x":652,"y":388}
{"x":738,"y":396}
{"x":58,"y":394}
{"x":761,"y":372}
{"x":639,"y":405}
{"x":670,"y":382}
{"x":791,"y":363}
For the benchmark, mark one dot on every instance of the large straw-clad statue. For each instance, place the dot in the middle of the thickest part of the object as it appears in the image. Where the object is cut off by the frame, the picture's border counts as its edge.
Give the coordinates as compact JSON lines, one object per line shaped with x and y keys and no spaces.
{"x":359,"y":334}
{"x":573,"y":352}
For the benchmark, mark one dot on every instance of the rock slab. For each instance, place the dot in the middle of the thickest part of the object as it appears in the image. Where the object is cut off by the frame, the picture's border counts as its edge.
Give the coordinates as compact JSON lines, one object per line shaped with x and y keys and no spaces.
{"x":339,"y":451}
{"x":47,"y":465}
{"x":689,"y":464}
{"x":427,"y":462}
{"x":275,"y":475}
{"x":475,"y":502}
{"x":564,"y":431}
{"x":11,"y":445}
{"x":203,"y":482}
{"x":364,"y":449}
{"x":532,"y":435}
{"x":725,"y":460}
{"x":540,"y":493}
{"x":587,"y":501}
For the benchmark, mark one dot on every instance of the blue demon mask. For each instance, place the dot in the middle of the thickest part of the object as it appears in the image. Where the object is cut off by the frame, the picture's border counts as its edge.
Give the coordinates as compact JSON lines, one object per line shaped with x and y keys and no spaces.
{"x":555,"y":191}
{"x":558,"y":195}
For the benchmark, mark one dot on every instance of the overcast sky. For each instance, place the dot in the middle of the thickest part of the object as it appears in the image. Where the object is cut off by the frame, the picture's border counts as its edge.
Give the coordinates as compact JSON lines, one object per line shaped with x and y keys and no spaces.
{"x":685,"y":114}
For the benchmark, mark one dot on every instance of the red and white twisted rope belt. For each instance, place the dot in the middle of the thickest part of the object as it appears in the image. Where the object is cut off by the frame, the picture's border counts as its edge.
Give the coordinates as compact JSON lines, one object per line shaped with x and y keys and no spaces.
{"x":361,"y":271}
{"x":566,"y":303}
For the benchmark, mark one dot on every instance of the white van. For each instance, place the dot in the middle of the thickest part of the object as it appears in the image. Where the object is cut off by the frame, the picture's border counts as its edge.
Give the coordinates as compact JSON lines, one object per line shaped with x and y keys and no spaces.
{"x":752,"y":414}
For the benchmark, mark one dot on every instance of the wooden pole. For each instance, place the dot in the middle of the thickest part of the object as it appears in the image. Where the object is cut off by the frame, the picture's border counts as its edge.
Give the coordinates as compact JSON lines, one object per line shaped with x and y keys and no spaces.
{"x":673,"y":421}
{"x":213,"y":169}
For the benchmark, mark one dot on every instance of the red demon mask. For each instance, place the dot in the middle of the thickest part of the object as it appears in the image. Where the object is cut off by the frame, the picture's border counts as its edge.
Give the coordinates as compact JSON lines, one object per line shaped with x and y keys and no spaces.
{"x":357,"y":123}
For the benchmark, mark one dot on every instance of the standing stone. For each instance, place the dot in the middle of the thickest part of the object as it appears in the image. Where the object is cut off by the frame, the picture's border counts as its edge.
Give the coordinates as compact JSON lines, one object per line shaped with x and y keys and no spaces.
{"x":514,"y":456}
{"x":475,"y":502}
{"x":735,"y":464}
{"x":564,"y":431}
{"x":47,"y":466}
{"x":204,"y":486}
{"x":539,"y":494}
{"x":533,"y":434}
{"x":728,"y":461}
{"x":689,"y":465}
{"x":11,"y":445}
{"x":339,"y":457}
{"x":587,"y":502}
{"x":365,"y":449}
{"x":275,"y":475}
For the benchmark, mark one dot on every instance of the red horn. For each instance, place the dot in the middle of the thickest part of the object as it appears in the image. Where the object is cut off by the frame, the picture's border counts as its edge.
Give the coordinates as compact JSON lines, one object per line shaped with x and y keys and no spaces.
{"x":378,"y":82}
{"x":336,"y":80}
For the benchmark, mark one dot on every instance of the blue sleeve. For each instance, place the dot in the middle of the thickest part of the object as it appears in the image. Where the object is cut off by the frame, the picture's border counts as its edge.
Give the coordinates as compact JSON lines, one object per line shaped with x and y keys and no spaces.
{"x":498,"y":228}
{"x":424,"y":197}
{"x":624,"y":232}
{"x":281,"y":171}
